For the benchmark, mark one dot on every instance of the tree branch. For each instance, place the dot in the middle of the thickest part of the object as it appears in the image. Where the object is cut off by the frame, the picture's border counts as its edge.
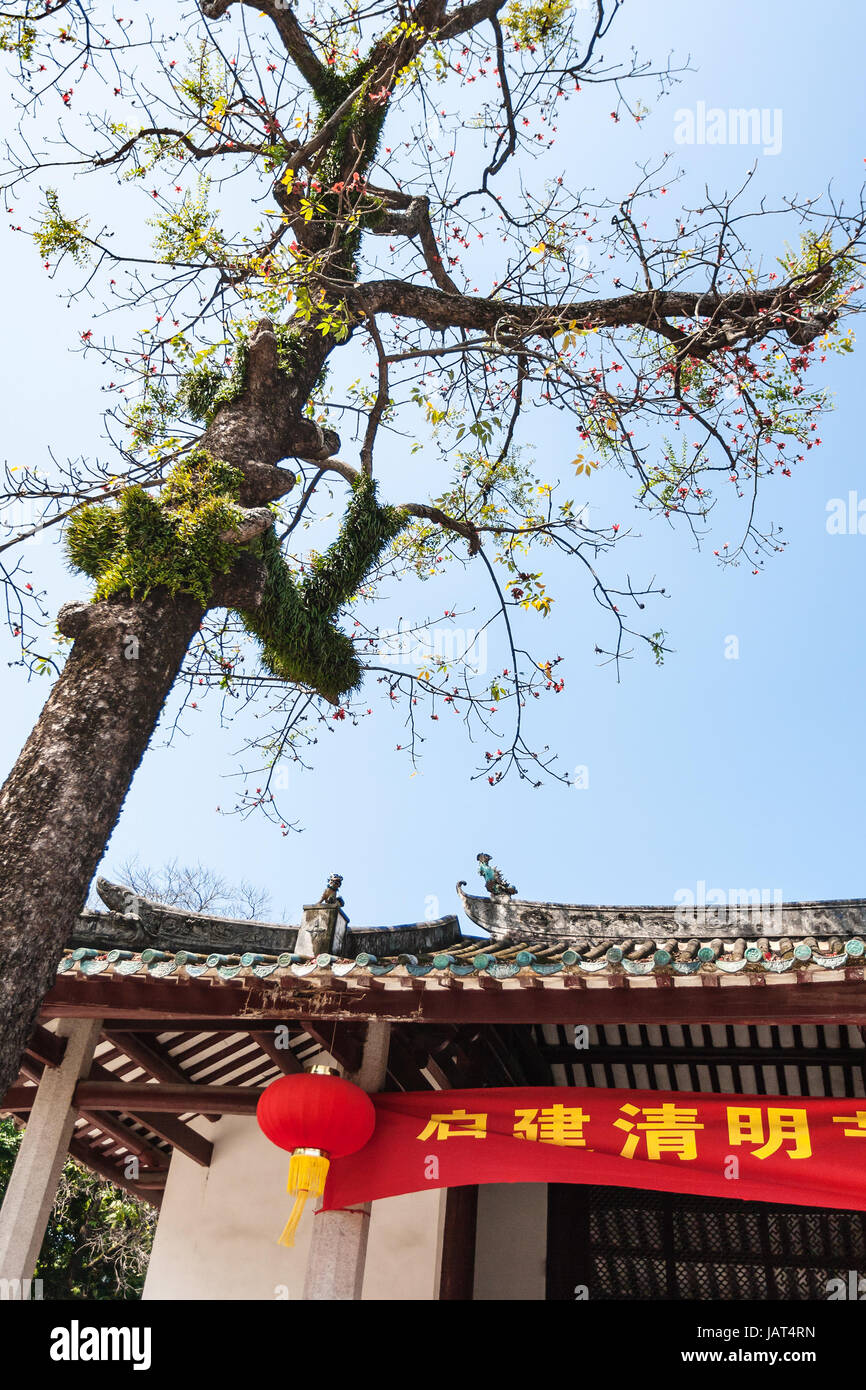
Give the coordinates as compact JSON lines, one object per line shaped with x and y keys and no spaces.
{"x":419,"y":509}
{"x":737,"y":311}
{"x":415,"y":223}
{"x":294,"y":39}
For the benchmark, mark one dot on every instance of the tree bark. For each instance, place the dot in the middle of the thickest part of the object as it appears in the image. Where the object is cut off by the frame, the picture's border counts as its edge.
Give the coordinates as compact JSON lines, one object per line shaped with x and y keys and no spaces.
{"x":65,"y":793}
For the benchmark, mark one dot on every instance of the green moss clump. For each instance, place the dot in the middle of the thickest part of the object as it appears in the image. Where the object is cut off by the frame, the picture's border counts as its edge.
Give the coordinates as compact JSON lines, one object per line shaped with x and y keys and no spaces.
{"x":173,"y":541}
{"x":199,"y":389}
{"x":169,"y":541}
{"x":295,"y":621}
{"x":232,"y":386}
{"x":204,"y":390}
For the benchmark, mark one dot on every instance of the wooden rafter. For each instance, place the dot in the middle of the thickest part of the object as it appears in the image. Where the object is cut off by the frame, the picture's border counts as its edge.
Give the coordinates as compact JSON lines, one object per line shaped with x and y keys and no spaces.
{"x":284,"y":1057}
{"x":46,"y":1047}
{"x":173,"y":1131}
{"x":148,"y":1055}
{"x":179,"y":1135}
{"x":733,"y":1056}
{"x":19,"y":1100}
{"x":148,"y":1188}
{"x":137,"y":1144}
{"x":344,"y":1043}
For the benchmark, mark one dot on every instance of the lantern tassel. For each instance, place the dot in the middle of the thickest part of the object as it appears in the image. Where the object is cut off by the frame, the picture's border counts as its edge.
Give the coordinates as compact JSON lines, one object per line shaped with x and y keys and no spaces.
{"x":308,"y":1170}
{"x":288,"y":1236}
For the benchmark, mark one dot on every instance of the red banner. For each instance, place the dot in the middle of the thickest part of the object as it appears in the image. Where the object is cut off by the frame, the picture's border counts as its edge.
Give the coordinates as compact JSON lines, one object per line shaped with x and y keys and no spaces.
{"x":761,"y":1148}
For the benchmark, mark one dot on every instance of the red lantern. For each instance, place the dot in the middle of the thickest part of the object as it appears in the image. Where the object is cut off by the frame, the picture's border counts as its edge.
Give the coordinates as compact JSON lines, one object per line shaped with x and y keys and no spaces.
{"x":317,"y":1116}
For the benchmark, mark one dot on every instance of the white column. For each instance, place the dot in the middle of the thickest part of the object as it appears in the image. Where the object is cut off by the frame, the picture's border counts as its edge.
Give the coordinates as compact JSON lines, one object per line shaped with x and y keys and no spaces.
{"x":335,"y":1269}
{"x":33,"y":1184}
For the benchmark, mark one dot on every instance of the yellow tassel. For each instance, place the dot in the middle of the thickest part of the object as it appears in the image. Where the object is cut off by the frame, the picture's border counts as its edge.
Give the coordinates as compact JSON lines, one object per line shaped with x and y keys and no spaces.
{"x":288,"y":1236}
{"x":308,"y":1170}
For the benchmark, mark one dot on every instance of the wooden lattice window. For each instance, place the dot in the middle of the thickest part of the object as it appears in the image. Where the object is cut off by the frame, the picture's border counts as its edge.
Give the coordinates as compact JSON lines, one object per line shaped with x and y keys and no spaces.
{"x":621,"y":1243}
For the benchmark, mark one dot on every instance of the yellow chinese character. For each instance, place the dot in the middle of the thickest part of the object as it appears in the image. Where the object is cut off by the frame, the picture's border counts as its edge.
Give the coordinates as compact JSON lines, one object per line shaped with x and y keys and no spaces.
{"x":791,"y":1127}
{"x":464,"y":1126}
{"x":557,"y":1125}
{"x":668,"y":1129}
{"x":858,"y":1120}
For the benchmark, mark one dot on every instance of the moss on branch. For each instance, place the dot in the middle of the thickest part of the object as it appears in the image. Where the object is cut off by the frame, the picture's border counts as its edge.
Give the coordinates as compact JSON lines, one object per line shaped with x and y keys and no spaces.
{"x":176,"y":541}
{"x":169,"y":541}
{"x":295,"y":621}
{"x":205,"y":389}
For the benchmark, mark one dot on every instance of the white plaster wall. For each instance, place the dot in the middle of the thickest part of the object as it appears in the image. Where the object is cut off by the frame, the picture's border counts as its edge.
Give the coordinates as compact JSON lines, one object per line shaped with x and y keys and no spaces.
{"x":218,"y":1229}
{"x":404,"y":1247}
{"x":511,"y":1242}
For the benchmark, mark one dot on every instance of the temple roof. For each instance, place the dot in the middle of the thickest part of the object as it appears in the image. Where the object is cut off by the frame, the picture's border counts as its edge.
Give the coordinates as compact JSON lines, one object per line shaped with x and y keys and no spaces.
{"x":136,"y":923}
{"x":199,"y":1012}
{"x":530,"y":939}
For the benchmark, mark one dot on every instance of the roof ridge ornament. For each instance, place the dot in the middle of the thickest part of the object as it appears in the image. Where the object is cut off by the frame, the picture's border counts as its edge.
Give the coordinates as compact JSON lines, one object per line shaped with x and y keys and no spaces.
{"x":330,"y":896}
{"x":323,"y":928}
{"x":496,"y":885}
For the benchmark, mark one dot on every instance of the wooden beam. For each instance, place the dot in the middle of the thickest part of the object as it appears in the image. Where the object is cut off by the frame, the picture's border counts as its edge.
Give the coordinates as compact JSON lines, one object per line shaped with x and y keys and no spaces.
{"x":179,"y":1135}
{"x":212,"y":1008}
{"x":505,"y":1061}
{"x":405,"y":1061}
{"x":284,"y":1057}
{"x":174,"y":1131}
{"x":19,"y":1099}
{"x":32,"y":1067}
{"x":414,"y":1051}
{"x":569,"y":1258}
{"x":345,"y":1044}
{"x":131,"y":1097}
{"x":457,"y":1276}
{"x":47,"y":1047}
{"x":521,"y":1040}
{"x":150,"y":1056}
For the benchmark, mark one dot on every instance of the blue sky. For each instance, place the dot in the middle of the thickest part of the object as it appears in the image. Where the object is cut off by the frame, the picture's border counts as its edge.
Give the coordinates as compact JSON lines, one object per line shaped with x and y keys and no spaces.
{"x":742,"y":773}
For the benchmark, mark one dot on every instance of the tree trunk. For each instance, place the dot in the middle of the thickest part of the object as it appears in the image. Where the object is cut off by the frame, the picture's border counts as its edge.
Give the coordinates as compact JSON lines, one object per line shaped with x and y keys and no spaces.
{"x":64,"y":795}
